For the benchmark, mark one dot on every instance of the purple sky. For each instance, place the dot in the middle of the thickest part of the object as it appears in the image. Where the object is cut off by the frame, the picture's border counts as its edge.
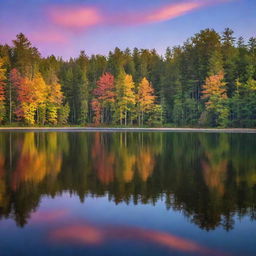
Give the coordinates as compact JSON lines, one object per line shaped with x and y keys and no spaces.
{"x":64,"y":27}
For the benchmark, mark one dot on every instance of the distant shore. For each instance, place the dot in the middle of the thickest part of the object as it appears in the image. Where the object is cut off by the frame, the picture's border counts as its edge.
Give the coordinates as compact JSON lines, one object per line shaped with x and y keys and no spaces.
{"x":109,"y":129}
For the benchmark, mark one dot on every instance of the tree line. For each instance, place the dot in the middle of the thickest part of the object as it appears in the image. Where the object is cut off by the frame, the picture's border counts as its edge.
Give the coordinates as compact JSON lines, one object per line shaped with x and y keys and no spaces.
{"x":209,"y":81}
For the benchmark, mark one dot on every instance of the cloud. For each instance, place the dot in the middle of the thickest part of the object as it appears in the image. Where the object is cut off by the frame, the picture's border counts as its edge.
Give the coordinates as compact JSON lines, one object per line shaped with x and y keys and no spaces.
{"x":81,"y":234}
{"x":169,"y":12}
{"x":75,"y":17}
{"x":87,"y":234}
{"x":80,"y":17}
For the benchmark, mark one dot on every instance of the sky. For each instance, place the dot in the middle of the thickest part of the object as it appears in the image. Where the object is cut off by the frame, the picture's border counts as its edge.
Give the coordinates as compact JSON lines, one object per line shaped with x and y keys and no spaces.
{"x":65,"y":27}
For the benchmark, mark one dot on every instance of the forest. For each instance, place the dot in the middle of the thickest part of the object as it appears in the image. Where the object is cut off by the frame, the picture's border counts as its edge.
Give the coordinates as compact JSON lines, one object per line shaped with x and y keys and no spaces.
{"x":209,"y":81}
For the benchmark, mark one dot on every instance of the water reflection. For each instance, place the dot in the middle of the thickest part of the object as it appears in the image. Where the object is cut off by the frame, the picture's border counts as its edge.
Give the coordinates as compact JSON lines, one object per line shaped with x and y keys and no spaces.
{"x":88,"y":234}
{"x":208,"y":177}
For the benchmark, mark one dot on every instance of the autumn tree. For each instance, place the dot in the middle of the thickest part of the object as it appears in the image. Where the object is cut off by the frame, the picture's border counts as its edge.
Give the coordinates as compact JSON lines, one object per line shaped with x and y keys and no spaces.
{"x":54,"y":101}
{"x":26,"y":108}
{"x":15,"y":81}
{"x":215,"y":93}
{"x":105,"y":97}
{"x":31,"y":95}
{"x":40,"y":97}
{"x":125,"y":97}
{"x":146,"y":99}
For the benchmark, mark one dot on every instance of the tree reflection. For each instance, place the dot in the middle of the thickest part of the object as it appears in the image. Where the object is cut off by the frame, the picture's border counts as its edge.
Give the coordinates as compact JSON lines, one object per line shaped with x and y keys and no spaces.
{"x":103,"y":160}
{"x":35,"y":162}
{"x":209,"y":177}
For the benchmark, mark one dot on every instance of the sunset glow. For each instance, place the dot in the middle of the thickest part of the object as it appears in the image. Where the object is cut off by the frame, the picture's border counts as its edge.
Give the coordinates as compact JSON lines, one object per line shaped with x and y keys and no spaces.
{"x":75,"y":17}
{"x":92,"y":235}
{"x":65,"y":28}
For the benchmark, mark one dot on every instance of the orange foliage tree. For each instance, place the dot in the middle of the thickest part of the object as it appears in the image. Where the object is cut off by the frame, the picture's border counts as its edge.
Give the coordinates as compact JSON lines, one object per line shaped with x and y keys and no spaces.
{"x":32,"y":94}
{"x":215,"y":93}
{"x":146,"y":98}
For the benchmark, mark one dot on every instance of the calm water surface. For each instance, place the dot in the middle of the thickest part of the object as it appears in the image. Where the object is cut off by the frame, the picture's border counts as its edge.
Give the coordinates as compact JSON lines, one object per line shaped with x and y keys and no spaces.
{"x":127,"y":194}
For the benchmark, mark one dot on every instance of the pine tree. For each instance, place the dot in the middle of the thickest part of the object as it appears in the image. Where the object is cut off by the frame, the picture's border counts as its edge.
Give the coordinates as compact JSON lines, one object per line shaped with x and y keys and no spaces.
{"x":229,"y":54}
{"x":25,"y":56}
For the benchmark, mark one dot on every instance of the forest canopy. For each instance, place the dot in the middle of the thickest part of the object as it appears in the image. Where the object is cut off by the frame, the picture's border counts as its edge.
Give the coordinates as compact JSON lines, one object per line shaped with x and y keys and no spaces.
{"x":209,"y":81}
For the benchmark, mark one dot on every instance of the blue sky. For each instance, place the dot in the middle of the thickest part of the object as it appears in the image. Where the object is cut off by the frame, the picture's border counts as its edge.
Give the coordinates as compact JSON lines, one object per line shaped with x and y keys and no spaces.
{"x":64,"y":27}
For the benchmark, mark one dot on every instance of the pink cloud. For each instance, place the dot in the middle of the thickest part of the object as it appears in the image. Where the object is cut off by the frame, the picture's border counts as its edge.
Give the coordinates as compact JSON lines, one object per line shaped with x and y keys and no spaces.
{"x":169,"y":12}
{"x":75,"y":17}
{"x":81,"y":234}
{"x":93,"y":235}
{"x":80,"y":17}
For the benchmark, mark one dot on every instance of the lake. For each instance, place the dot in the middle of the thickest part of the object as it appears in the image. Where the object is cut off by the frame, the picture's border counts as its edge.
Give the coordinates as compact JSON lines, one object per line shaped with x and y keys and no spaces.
{"x":127,"y":193}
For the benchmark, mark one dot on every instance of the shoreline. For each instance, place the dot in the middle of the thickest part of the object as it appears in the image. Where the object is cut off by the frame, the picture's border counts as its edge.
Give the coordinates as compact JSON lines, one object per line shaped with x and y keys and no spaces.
{"x":113,"y":129}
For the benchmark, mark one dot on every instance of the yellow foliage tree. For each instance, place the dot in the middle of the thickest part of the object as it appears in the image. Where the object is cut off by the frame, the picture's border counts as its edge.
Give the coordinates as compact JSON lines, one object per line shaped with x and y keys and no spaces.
{"x":125,"y":96}
{"x":55,"y":97}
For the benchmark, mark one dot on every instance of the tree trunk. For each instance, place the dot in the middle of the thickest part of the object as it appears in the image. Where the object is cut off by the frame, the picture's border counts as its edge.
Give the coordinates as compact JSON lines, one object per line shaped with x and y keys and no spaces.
{"x":74,"y":112}
{"x":10,"y":99}
{"x":102,"y":116}
{"x":37,"y":118}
